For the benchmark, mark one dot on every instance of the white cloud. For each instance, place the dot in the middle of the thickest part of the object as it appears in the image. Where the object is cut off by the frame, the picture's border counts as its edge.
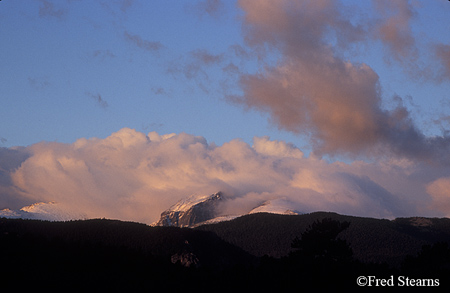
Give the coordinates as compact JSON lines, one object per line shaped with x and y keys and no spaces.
{"x":133,"y":176}
{"x":264,"y":145}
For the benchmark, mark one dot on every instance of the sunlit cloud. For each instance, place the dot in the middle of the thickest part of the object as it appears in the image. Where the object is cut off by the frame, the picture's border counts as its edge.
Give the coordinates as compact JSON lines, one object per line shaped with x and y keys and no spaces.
{"x":133,"y":176}
{"x":394,"y":28}
{"x":314,"y":92}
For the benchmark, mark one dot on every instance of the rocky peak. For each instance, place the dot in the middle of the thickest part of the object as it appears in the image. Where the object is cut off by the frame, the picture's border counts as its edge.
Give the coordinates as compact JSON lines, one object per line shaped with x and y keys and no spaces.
{"x":191,"y":211}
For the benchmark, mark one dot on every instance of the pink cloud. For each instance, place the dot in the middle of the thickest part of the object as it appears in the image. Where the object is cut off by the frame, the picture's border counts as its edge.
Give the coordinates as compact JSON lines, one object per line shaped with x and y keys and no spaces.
{"x":394,"y":28}
{"x":312,"y":91}
{"x":443,"y":54}
{"x":133,"y":176}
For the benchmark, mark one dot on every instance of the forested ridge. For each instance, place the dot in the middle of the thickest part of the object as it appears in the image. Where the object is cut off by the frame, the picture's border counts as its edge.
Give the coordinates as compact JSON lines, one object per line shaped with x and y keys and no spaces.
{"x":260,"y":251}
{"x":372,"y":240}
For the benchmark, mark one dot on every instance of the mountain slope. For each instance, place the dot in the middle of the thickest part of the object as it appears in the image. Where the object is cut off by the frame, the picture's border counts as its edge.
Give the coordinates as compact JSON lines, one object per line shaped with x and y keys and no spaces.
{"x":372,"y":240}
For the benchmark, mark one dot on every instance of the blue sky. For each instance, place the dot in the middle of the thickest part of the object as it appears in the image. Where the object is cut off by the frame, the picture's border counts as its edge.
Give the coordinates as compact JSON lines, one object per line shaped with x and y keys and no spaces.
{"x":336,"y":105}
{"x":74,"y":69}
{"x":70,"y":71}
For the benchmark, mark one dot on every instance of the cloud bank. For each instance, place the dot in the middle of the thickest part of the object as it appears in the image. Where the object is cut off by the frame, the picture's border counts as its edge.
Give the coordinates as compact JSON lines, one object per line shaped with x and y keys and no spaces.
{"x":133,"y":176}
{"x":314,"y":90}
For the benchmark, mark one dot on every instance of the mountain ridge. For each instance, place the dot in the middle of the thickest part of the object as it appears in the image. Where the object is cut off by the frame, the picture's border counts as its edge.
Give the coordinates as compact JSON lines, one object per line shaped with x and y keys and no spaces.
{"x":197,"y":210}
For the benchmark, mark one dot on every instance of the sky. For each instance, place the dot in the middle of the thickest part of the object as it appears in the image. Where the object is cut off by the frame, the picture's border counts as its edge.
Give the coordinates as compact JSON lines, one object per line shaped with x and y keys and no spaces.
{"x":120,"y":108}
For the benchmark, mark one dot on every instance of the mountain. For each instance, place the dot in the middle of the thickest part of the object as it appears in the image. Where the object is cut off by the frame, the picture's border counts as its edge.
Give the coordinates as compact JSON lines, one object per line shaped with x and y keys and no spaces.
{"x":275,"y":206}
{"x":50,"y":211}
{"x":198,"y":210}
{"x":191,"y":211}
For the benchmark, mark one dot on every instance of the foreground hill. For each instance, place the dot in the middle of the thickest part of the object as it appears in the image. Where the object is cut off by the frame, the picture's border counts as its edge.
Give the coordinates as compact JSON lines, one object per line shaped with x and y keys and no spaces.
{"x":108,"y":254}
{"x":250,"y":253}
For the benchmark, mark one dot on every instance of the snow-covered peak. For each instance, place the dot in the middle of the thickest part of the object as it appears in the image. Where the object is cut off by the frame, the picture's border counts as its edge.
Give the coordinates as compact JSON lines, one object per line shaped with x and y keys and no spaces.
{"x":198,"y":210}
{"x":187,"y":203}
{"x":275,"y":206}
{"x":191,"y":211}
{"x":50,"y":211}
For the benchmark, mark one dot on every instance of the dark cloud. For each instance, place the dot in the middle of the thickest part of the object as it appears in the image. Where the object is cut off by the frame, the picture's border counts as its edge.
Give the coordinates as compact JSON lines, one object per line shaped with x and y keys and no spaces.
{"x":195,"y":66}
{"x":38,"y":83}
{"x":103,"y":54}
{"x":10,"y":160}
{"x":213,"y":8}
{"x":143,"y":44}
{"x":159,"y":91}
{"x":204,"y":57}
{"x":98,"y":98}
{"x":47,"y":9}
{"x":126,"y":4}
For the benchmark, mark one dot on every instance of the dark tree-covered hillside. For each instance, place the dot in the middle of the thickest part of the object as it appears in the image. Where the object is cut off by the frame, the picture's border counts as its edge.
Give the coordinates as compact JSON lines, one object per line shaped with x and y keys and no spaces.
{"x":371,"y":240}
{"x":107,"y":255}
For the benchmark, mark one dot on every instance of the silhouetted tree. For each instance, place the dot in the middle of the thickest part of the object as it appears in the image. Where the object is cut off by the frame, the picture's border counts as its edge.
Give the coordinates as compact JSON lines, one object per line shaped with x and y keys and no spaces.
{"x":321,"y":258}
{"x":321,"y":242}
{"x":431,"y":261}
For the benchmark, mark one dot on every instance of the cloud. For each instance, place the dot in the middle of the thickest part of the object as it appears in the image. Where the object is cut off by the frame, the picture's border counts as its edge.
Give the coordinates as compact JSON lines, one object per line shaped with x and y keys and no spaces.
{"x":103,"y":54}
{"x":126,"y":4}
{"x":135,"y":176}
{"x":440,"y":193}
{"x":141,"y":43}
{"x":264,"y":145}
{"x":38,"y":83}
{"x":206,"y":58}
{"x":195,"y":67}
{"x":311,"y":90}
{"x":213,"y":8}
{"x":98,"y":98}
{"x":394,"y":28}
{"x":443,"y":54}
{"x":47,"y":9}
{"x":10,"y":160}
